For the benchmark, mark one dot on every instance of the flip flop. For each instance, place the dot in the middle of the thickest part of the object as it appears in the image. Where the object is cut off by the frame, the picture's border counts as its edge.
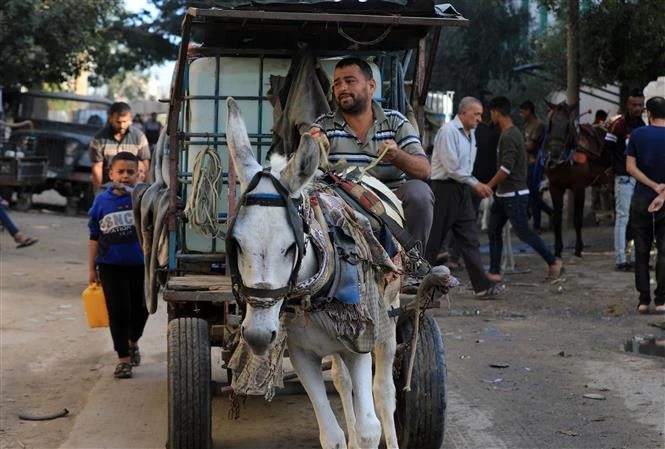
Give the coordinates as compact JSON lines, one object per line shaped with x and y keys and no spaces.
{"x":27,"y":242}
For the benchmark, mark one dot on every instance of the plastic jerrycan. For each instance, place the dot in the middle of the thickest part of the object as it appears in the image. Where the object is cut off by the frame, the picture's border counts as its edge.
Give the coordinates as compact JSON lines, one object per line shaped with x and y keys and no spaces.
{"x":94,"y":304}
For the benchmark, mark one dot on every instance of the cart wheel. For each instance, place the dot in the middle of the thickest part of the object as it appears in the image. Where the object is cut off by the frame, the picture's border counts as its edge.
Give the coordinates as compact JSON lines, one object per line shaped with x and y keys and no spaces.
{"x":421,"y":412}
{"x":189,"y":384}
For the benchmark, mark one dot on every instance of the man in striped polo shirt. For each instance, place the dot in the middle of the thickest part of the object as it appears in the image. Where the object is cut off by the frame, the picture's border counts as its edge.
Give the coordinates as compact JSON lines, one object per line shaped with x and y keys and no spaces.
{"x":118,"y":135}
{"x":360,"y":130}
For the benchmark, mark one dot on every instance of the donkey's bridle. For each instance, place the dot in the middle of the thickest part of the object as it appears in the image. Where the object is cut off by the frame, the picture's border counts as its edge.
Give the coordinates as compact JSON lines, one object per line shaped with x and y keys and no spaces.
{"x":295,"y":217}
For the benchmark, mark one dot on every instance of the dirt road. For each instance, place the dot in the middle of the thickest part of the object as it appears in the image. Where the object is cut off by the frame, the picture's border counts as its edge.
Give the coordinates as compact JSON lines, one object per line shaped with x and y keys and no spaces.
{"x":551,"y":346}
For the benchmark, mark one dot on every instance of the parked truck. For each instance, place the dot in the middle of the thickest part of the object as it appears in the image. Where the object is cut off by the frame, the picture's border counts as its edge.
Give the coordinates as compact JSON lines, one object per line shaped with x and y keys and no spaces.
{"x":51,"y":150}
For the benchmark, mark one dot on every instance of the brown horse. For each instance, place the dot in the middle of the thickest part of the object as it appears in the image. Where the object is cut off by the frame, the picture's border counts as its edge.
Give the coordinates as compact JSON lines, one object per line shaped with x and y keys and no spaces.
{"x":574,"y":160}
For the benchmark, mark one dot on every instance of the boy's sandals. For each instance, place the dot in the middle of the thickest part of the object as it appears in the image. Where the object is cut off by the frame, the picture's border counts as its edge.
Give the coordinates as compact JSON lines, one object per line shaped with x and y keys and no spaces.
{"x":123,"y":370}
{"x":134,"y":356}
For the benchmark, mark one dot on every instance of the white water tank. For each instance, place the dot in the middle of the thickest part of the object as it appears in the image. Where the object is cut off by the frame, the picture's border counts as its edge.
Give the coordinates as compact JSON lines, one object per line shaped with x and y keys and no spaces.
{"x":238,"y":77}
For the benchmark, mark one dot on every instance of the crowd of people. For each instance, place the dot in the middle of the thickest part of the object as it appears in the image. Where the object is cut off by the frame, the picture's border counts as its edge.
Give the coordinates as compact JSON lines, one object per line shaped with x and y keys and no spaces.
{"x":507,"y":171}
{"x":479,"y":154}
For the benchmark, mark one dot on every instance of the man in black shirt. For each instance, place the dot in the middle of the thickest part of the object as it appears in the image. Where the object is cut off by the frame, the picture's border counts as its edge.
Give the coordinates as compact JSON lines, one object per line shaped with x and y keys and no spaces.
{"x":534,"y":134}
{"x":616,"y":140}
{"x":152,"y":128}
{"x":512,"y":195}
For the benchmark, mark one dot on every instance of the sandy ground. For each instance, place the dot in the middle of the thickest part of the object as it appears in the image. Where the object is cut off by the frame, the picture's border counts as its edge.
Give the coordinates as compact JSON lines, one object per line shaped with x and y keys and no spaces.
{"x":558,"y":341}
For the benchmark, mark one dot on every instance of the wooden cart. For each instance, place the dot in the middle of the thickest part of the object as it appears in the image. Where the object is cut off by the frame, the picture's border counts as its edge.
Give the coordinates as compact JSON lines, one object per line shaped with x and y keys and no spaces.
{"x":235,"y":52}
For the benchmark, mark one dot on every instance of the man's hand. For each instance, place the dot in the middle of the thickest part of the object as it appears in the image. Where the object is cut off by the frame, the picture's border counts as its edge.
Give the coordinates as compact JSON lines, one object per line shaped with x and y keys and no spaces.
{"x":656,"y":204}
{"x":660,"y":188}
{"x":321,"y":137}
{"x":483,"y":190}
{"x":392,"y":151}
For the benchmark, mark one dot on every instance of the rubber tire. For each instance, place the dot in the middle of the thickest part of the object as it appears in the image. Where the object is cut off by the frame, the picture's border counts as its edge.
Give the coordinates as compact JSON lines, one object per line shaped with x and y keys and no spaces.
{"x":87,"y":197}
{"x":189,"y":384}
{"x":23,"y":201}
{"x":421,"y":413}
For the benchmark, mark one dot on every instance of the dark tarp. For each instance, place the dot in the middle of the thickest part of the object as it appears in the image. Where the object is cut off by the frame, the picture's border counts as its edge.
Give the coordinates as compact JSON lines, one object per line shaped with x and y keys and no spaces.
{"x":422,"y":8}
{"x":257,"y":31}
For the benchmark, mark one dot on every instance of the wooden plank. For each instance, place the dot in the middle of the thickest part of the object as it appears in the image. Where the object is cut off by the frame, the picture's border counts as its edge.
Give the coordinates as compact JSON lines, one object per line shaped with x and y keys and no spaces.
{"x":198,"y":296}
{"x":199,"y":282}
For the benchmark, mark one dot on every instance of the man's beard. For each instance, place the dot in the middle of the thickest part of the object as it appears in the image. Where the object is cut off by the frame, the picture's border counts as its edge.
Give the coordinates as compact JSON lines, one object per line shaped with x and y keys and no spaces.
{"x":357,"y":106}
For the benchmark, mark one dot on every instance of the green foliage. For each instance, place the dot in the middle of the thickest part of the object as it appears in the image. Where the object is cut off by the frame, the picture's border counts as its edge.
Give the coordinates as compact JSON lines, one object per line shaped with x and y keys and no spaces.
{"x":170,"y":14}
{"x":623,"y":41}
{"x":41,"y":41}
{"x":549,"y":49}
{"x":470,"y":59}
{"x":130,"y":85}
{"x":46,"y":41}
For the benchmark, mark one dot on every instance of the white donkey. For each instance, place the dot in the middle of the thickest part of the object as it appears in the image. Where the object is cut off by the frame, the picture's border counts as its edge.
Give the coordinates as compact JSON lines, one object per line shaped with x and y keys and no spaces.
{"x":269,"y":258}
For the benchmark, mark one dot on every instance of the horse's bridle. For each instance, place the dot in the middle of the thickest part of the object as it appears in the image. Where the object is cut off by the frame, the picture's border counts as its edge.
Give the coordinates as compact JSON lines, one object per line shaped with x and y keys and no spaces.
{"x":297,"y":223}
{"x":569,"y":143}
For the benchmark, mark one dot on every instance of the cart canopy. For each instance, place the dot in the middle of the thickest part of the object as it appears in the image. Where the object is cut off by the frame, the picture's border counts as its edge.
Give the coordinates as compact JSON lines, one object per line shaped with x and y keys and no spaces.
{"x":424,"y":8}
{"x":324,"y":26}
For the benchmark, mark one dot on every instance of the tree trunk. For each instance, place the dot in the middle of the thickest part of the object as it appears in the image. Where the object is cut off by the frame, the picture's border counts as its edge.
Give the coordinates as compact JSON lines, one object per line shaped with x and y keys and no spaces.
{"x":573,"y":55}
{"x":573,"y":73}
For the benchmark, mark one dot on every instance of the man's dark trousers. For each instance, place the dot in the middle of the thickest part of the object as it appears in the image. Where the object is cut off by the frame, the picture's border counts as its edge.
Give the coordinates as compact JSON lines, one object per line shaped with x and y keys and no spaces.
{"x":454,"y":211}
{"x":647,"y":227}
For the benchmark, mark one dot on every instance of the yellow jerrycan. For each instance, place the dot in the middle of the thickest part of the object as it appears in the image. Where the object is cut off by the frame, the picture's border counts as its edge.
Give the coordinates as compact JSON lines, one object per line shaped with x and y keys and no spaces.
{"x":95,"y":306}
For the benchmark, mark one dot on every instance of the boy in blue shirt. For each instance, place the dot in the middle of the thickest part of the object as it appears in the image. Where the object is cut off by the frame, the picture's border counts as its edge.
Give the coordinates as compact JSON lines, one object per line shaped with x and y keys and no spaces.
{"x":116,"y":260}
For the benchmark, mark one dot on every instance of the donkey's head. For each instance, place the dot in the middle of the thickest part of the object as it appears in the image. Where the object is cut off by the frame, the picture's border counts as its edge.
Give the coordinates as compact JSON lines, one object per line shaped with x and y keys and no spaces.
{"x":265,"y":241}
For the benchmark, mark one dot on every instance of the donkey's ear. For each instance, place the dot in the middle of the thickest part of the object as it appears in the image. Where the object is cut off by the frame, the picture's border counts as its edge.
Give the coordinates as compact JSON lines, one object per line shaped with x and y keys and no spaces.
{"x":244,"y":162}
{"x":302,"y":166}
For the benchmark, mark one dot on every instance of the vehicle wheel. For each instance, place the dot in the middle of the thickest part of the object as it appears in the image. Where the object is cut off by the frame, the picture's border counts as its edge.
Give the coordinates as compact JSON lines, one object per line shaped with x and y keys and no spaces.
{"x":189,"y":384}
{"x":421,"y":413}
{"x":24,"y":201}
{"x":71,"y":208}
{"x":87,"y":197}
{"x":7,"y":194}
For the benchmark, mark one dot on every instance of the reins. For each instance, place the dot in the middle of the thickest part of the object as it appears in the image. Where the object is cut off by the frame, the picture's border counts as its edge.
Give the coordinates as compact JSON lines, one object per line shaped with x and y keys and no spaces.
{"x":297,"y":225}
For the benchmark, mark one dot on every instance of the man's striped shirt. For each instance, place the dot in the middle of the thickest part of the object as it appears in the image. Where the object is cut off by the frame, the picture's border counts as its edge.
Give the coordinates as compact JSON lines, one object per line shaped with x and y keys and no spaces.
{"x":104,"y":146}
{"x":388,"y":125}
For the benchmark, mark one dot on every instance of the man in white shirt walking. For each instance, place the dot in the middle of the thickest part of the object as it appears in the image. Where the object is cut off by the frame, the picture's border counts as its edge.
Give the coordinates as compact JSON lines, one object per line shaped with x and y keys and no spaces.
{"x":453,"y":185}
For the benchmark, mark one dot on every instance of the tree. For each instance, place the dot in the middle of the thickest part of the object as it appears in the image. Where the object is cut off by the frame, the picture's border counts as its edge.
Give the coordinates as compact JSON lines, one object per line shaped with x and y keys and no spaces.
{"x":45,"y":41}
{"x":474,"y":59}
{"x":623,"y":41}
